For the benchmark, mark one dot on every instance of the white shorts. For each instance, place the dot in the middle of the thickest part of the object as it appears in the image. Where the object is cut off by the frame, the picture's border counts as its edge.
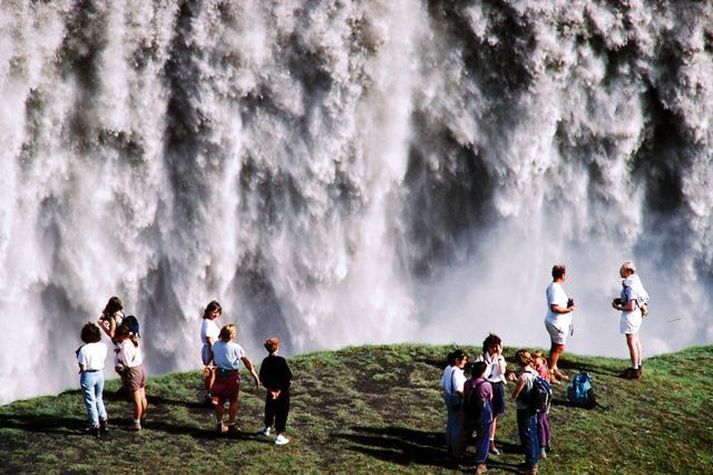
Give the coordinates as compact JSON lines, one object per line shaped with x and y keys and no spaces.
{"x":558,"y":335}
{"x":630,"y":322}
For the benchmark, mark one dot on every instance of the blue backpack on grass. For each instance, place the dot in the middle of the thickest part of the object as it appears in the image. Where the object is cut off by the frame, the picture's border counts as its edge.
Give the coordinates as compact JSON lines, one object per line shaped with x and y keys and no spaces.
{"x":580,"y":391}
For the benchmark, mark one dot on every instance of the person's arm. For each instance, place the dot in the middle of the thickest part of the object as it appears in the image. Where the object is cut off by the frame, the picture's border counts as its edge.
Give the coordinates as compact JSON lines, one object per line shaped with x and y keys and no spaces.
{"x":251,"y":369}
{"x":629,"y":307}
{"x":559,"y":309}
{"x":501,"y":360}
{"x":82,"y":368}
{"x":521,"y":381}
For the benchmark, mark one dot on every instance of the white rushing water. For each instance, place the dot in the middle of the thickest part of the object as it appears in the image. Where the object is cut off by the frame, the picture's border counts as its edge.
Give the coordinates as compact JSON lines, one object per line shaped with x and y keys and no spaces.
{"x":342,"y":173}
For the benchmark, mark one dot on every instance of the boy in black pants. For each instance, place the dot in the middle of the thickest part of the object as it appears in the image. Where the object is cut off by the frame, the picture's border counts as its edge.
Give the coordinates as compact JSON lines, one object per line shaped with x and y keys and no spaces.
{"x":275,"y":376}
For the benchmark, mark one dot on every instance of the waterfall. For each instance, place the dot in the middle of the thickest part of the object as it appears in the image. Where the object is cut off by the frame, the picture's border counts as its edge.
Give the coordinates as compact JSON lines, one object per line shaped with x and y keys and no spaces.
{"x":340,"y":173}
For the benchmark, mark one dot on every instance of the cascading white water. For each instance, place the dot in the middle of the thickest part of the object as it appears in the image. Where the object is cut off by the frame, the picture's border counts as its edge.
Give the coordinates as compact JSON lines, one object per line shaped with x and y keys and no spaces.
{"x":349,"y":172}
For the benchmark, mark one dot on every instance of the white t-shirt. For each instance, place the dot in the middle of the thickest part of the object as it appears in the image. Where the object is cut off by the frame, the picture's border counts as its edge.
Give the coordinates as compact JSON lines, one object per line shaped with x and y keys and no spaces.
{"x":492,"y":372}
{"x":227,"y":355}
{"x":556,"y":295}
{"x":209,"y":330}
{"x":130,"y":355}
{"x":453,"y":380}
{"x":92,"y":356}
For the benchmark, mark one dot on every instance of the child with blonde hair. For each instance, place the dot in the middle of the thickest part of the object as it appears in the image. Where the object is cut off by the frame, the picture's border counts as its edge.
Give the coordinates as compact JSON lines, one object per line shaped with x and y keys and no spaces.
{"x":543,"y":423}
{"x":227,"y":356}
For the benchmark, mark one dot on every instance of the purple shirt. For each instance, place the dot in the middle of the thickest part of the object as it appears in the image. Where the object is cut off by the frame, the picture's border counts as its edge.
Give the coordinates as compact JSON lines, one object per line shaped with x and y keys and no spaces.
{"x":483,"y":391}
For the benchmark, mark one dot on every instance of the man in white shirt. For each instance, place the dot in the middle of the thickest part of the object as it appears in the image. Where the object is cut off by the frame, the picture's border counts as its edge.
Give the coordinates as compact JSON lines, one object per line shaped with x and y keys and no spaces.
{"x":558,"y":319}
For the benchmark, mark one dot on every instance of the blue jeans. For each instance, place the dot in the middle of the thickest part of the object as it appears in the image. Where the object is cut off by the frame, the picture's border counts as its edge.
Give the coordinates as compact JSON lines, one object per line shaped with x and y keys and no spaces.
{"x":527,"y":428}
{"x":92,"y":384}
{"x":482,"y":439}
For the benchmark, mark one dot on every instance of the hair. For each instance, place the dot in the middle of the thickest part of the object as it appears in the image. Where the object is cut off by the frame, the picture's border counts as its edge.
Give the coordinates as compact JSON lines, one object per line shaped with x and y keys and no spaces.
{"x":558,"y":271}
{"x":478,"y":368}
{"x":491,"y":340}
{"x":122,"y":330}
{"x":228,"y":332}
{"x":213,"y":305}
{"x":628,"y":265}
{"x":91,"y":333}
{"x":272,"y":344}
{"x":456,"y":355}
{"x":112,"y":306}
{"x":537,"y":353}
{"x":523,"y":357}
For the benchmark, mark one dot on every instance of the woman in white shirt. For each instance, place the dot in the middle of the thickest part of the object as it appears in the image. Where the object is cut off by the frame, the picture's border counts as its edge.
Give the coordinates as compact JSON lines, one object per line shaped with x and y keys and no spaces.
{"x":558,"y":319}
{"x":90,"y":358}
{"x":453,"y":382}
{"x":209,"y":335}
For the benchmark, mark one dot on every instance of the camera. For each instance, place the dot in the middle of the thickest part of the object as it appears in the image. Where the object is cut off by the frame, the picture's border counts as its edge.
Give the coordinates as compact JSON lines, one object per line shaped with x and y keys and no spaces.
{"x":570,"y":303}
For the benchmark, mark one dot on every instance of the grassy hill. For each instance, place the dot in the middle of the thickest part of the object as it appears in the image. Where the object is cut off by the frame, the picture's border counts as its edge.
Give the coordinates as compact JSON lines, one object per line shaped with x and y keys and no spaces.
{"x":374,"y":409}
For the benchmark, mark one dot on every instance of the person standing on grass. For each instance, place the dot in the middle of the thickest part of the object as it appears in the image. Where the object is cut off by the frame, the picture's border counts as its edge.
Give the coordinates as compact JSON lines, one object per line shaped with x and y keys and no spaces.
{"x":543,"y":423}
{"x":526,"y":416}
{"x":478,"y":394}
{"x":227,"y":356}
{"x":558,"y":319}
{"x":209,"y":335}
{"x":493,"y":357}
{"x":452,"y":382}
{"x":633,"y":296}
{"x":90,"y":358}
{"x":130,"y":366}
{"x":276,"y":376}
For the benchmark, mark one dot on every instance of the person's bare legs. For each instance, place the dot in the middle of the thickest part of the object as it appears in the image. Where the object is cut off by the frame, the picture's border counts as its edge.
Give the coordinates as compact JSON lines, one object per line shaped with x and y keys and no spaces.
{"x":634,"y":349}
{"x":234,"y":406}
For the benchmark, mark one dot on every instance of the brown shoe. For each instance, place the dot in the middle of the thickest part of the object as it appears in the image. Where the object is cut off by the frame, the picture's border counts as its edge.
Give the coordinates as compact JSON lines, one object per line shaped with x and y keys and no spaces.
{"x":233,"y":429}
{"x":635,"y":373}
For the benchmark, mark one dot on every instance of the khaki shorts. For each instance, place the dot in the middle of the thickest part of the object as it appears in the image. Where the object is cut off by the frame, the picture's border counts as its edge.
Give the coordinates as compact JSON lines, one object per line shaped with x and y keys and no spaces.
{"x":134,"y":378}
{"x":558,"y":335}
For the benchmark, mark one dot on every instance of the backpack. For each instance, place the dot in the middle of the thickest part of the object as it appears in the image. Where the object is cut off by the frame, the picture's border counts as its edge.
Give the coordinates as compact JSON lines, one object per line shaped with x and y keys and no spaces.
{"x":473,"y":406}
{"x":580,"y":391}
{"x":133,"y":323}
{"x":540,"y":394}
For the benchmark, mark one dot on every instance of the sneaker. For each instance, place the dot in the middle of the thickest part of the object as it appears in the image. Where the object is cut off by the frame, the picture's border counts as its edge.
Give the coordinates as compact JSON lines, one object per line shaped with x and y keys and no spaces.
{"x":543,"y":453}
{"x":135,"y":427}
{"x":481,"y":468}
{"x":493,"y":450}
{"x":265,"y":431}
{"x":281,"y":440}
{"x":103,"y":426}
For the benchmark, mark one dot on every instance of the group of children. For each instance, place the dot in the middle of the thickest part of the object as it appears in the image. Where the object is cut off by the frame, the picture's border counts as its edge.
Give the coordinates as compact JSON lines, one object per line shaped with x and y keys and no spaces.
{"x":474,"y":405}
{"x":221,"y":357}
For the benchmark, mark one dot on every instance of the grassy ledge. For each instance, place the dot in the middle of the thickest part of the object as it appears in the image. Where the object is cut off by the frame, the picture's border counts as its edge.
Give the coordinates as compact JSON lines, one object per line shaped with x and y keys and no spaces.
{"x":374,"y":409}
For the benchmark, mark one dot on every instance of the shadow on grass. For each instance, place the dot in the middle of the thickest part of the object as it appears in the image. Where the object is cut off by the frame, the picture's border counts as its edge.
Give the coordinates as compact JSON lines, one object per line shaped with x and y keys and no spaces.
{"x":44,"y":424}
{"x":400,"y":445}
{"x":406,"y":446}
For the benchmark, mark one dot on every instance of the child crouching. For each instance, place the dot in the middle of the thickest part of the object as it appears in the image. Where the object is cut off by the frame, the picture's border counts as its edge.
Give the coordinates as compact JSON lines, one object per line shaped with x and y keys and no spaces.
{"x":276,"y":376}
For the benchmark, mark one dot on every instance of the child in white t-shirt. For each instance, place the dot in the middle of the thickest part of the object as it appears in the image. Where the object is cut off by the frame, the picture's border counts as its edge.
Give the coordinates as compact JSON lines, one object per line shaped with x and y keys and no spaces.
{"x":90,"y":358}
{"x":209,"y":335}
{"x":130,"y":365}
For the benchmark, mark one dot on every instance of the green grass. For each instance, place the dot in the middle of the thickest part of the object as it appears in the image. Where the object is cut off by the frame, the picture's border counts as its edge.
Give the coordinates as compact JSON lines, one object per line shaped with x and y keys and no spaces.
{"x":374,"y":409}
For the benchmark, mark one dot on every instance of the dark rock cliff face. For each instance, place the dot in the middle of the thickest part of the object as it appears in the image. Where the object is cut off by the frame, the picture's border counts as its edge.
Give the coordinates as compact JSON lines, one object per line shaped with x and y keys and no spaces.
{"x":347,"y":172}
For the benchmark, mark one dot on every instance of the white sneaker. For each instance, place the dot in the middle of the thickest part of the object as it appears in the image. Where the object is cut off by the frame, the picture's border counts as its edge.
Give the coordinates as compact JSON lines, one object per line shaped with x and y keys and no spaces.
{"x":265,"y":431}
{"x":281,"y":440}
